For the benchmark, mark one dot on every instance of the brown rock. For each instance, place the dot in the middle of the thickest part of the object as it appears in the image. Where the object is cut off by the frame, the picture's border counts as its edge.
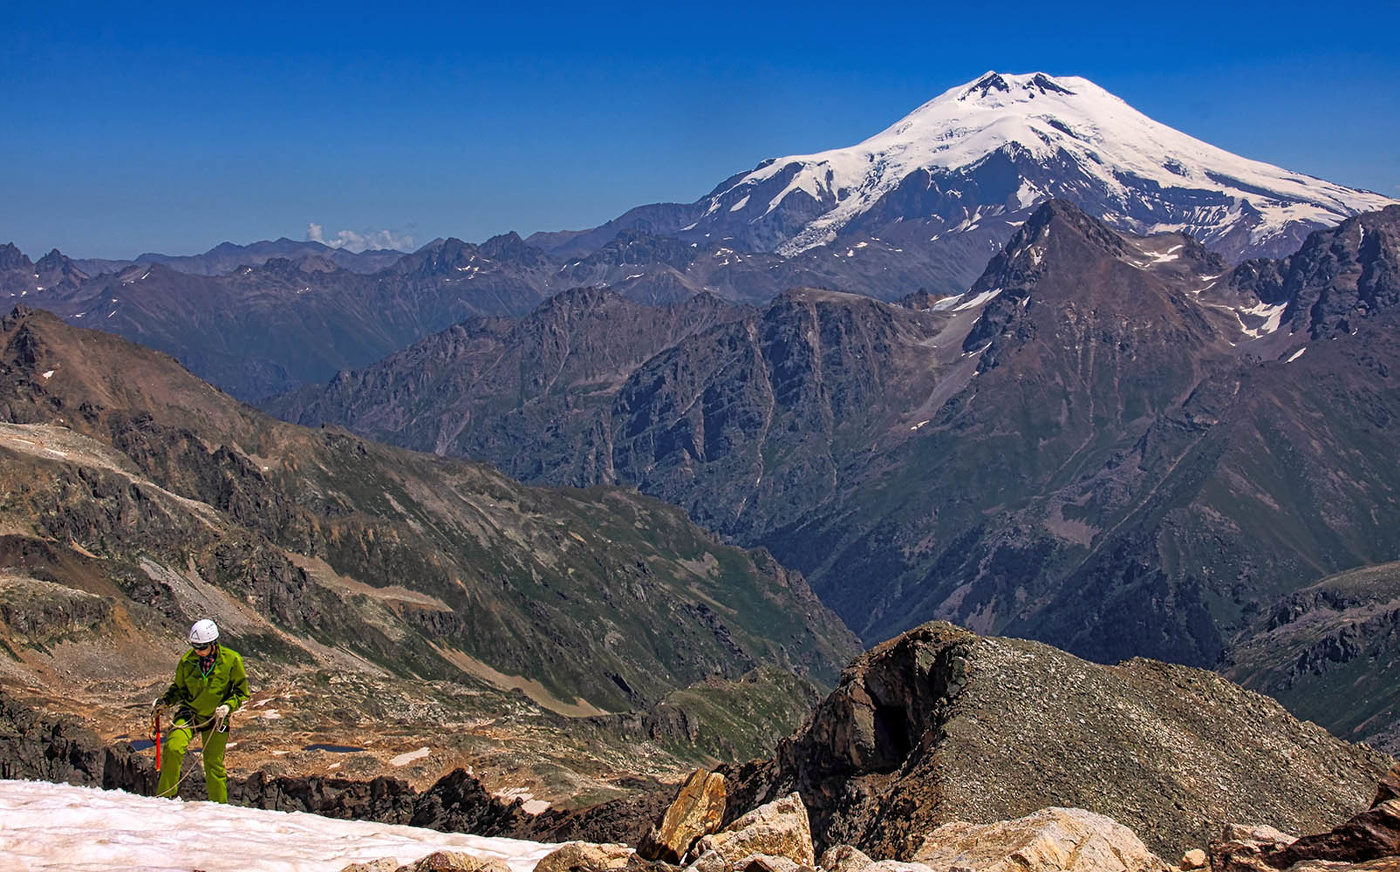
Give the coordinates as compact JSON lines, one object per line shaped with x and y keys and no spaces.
{"x":696,"y":811}
{"x":779,"y":829}
{"x":585,"y":857}
{"x":455,"y":861}
{"x":1193,"y":859}
{"x":383,"y":864}
{"x":1371,"y":835}
{"x":765,"y":863}
{"x":1241,"y":848}
{"x":1052,"y":839}
{"x":844,"y":858}
{"x":709,"y":861}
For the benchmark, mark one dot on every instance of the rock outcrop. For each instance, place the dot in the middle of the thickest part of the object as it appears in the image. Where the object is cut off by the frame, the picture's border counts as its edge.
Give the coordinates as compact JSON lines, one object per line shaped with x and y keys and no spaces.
{"x":777,"y":829}
{"x":941,"y":725}
{"x":585,"y":857}
{"x":697,"y":811}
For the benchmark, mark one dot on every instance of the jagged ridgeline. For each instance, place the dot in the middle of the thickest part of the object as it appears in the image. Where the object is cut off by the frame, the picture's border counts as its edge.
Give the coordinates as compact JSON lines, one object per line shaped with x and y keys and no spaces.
{"x":1116,"y":444}
{"x":135,"y":497}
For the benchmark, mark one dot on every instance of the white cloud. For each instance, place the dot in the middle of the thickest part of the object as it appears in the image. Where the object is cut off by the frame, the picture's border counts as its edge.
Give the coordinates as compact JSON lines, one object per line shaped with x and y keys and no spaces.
{"x":352,"y":241}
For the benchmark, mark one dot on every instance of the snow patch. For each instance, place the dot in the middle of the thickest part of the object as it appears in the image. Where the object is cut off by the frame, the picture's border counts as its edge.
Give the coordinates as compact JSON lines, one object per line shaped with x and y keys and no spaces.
{"x":981,"y":299}
{"x":58,"y":826}
{"x":1272,"y":315}
{"x":1297,"y":354}
{"x":405,"y":759}
{"x":49,"y":374}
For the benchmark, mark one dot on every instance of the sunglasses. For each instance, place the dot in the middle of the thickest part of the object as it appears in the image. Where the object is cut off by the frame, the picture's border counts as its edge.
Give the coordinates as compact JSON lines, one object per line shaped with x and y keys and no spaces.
{"x":202,"y":647}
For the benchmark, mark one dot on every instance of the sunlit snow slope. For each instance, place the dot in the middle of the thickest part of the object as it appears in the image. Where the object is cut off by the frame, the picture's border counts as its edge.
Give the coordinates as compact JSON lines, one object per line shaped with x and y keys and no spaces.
{"x":1004,"y":143}
{"x":57,"y":826}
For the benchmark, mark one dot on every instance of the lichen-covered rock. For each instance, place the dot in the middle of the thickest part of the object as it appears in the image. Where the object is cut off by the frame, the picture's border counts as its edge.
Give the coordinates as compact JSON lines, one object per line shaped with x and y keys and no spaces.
{"x":765,"y":863}
{"x":844,"y":858}
{"x":778,"y":829}
{"x":584,"y":857}
{"x":1050,"y":840}
{"x":383,"y":864}
{"x":455,"y":861}
{"x":697,"y":811}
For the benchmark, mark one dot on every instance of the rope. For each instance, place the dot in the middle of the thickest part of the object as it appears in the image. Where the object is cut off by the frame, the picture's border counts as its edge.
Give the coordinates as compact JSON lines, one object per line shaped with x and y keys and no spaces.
{"x":196,"y":731}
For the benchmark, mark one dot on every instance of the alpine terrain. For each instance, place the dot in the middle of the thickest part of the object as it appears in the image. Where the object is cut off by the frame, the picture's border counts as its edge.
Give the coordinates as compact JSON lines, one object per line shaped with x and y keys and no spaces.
{"x":386,"y":601}
{"x":1114,"y":443}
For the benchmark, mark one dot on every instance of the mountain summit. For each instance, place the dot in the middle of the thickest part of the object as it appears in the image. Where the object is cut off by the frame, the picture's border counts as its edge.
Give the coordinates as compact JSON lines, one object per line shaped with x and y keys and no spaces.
{"x":1009,"y":142}
{"x":958,"y":174}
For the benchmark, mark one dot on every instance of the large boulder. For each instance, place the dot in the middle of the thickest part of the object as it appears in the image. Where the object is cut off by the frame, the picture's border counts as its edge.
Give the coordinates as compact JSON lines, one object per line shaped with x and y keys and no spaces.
{"x":585,"y":857}
{"x":697,"y":811}
{"x":1050,"y":840}
{"x":777,"y":829}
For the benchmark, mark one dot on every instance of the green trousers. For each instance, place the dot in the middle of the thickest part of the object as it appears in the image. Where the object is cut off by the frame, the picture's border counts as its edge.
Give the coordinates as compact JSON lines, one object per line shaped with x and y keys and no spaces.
{"x":215,"y":778}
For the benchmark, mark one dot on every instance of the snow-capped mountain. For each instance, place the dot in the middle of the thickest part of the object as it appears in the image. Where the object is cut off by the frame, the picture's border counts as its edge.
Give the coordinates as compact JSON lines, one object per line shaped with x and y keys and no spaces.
{"x":976,"y":159}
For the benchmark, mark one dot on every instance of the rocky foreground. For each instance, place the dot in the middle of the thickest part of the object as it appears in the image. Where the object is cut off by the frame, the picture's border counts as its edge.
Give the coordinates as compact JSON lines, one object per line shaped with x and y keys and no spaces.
{"x":777,"y":837}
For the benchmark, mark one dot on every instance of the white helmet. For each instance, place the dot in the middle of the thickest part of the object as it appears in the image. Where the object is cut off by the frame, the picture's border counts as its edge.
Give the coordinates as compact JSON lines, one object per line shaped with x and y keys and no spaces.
{"x":203,"y":632}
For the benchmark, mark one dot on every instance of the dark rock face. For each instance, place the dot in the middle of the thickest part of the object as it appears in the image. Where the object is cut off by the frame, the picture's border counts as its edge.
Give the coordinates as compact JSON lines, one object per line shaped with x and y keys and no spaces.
{"x":940,"y":725}
{"x":50,"y":748}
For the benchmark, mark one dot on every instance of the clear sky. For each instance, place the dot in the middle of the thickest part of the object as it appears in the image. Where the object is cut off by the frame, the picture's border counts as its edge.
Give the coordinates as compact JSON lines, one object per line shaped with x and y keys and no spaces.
{"x":171,"y":128}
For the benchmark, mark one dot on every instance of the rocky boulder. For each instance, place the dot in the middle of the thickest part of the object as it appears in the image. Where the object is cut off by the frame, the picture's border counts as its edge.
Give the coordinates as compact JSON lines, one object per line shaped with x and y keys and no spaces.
{"x":1049,"y":840}
{"x":777,"y":829}
{"x":585,"y":857}
{"x":438,"y":861}
{"x":697,"y":811}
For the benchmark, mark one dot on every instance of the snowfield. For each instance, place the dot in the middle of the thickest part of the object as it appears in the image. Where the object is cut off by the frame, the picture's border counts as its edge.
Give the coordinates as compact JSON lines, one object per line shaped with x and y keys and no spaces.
{"x":58,"y":826}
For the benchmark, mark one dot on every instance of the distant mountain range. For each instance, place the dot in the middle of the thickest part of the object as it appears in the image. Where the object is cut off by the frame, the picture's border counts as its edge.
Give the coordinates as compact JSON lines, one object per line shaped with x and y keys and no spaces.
{"x":226,"y":257}
{"x":1117,"y":444}
{"x":263,"y":329}
{"x":920,"y":206}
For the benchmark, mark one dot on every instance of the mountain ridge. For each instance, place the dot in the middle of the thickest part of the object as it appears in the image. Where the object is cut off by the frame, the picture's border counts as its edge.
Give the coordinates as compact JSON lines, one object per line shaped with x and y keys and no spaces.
{"x":1086,"y":447}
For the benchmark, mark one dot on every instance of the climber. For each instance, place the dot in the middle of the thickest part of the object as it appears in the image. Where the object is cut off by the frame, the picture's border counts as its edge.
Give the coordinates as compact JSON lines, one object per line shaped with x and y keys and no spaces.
{"x":209,"y":686}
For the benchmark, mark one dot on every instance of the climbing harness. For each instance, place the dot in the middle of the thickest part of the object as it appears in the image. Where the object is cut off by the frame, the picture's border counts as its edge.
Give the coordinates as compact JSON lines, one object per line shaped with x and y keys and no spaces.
{"x":196,"y":732}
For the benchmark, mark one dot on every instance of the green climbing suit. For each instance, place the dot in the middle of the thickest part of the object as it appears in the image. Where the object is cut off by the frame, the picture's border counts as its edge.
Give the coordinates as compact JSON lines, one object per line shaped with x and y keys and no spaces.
{"x":197,"y":693}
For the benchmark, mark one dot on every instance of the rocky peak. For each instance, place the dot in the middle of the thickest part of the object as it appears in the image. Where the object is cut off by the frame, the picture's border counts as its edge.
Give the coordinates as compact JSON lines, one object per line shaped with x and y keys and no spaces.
{"x":11,"y":258}
{"x":1023,"y":87}
{"x":1063,"y":261}
{"x":941,"y":725}
{"x":510,"y":247}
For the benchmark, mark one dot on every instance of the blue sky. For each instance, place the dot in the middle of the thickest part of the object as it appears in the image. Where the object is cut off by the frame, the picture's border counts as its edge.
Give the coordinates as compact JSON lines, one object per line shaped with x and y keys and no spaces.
{"x":170,"y":128}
